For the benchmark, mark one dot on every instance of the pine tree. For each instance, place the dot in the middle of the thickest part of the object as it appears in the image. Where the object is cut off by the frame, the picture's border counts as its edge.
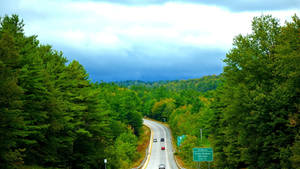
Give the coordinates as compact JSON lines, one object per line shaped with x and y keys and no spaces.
{"x":11,"y":122}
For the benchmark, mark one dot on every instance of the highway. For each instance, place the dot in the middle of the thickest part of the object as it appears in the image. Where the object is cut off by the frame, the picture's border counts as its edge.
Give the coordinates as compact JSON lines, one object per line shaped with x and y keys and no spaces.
{"x":158,"y":156}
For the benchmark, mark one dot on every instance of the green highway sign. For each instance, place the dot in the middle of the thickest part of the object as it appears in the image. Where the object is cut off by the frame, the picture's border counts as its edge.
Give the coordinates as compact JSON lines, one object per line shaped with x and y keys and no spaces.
{"x":180,"y":139}
{"x":202,"y":154}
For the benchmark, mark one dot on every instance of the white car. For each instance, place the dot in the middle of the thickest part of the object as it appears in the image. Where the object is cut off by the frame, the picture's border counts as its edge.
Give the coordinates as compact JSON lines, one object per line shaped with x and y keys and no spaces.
{"x":162,"y":166}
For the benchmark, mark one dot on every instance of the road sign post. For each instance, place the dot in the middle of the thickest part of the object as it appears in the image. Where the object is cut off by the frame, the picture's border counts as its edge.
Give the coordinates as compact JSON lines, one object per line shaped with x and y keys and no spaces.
{"x":201,"y":135}
{"x":105,"y":161}
{"x":202,"y":154}
{"x":180,"y":139}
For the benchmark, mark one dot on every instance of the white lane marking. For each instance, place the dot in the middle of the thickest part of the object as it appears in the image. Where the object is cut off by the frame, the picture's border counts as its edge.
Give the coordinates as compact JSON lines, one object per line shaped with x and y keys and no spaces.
{"x":172,"y":158}
{"x":165,"y":136}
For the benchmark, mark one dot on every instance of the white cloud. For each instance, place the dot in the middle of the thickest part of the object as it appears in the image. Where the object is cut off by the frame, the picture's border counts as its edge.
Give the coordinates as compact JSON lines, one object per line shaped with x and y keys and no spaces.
{"x":98,"y":25}
{"x":148,"y":42}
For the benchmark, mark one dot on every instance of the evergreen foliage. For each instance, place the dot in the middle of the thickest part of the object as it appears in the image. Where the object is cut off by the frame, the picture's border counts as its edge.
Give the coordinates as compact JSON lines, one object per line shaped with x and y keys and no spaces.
{"x":52,"y":116}
{"x":203,"y":84}
{"x":256,"y":112}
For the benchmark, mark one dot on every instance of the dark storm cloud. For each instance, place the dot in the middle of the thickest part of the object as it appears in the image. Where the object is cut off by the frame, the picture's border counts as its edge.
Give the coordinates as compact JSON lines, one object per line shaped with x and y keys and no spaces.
{"x":158,"y":42}
{"x":234,"y":5}
{"x":190,"y":62}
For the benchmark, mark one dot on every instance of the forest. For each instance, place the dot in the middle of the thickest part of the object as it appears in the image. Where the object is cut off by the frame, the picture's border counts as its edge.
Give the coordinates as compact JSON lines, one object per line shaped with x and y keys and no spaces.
{"x":249,"y":114}
{"x":202,"y":84}
{"x":53,"y":116}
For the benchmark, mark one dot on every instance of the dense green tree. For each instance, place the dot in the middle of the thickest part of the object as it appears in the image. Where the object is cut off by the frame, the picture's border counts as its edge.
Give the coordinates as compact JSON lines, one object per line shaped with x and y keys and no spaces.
{"x":51,"y":115}
{"x":295,"y":158}
{"x":11,"y":121}
{"x":124,"y":103}
{"x":123,"y":152}
{"x":162,"y":109}
{"x":258,"y":99}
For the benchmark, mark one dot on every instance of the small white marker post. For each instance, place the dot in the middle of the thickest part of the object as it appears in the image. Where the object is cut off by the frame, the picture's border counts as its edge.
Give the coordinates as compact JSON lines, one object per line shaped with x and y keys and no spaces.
{"x":201,"y":135}
{"x":105,"y":161}
{"x":201,"y":143}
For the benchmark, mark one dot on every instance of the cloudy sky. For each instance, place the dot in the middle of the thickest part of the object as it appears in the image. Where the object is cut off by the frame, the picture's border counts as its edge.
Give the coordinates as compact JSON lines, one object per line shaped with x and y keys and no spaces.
{"x":144,"y":39}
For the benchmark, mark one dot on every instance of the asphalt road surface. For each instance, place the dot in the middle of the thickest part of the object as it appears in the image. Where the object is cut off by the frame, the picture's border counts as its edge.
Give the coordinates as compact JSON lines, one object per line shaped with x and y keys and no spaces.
{"x":157,"y":155}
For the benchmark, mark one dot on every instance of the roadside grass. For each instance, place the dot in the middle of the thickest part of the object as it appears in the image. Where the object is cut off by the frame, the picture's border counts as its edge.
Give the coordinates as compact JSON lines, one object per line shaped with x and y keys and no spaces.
{"x":143,"y":143}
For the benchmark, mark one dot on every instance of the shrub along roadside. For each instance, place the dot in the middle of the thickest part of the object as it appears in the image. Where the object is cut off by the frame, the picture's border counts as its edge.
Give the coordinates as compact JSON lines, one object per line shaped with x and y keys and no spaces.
{"x":143,"y":143}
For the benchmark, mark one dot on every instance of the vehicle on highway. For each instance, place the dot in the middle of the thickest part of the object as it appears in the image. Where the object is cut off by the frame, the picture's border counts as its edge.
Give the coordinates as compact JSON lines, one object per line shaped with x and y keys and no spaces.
{"x":155,"y":140}
{"x":163,"y":148}
{"x":162,"y":166}
{"x":162,"y":139}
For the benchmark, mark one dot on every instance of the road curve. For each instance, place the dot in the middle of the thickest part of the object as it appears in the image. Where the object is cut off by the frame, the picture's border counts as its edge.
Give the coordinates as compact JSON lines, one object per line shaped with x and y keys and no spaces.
{"x":158,"y":156}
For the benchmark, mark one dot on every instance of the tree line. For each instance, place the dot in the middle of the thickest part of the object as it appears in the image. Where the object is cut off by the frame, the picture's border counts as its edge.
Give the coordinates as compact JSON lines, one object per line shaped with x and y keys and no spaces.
{"x":53,"y":116}
{"x":202,"y":84}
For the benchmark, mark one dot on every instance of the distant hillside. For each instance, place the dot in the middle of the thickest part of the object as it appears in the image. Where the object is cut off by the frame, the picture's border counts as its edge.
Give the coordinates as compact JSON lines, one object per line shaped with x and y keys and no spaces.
{"x":203,"y":84}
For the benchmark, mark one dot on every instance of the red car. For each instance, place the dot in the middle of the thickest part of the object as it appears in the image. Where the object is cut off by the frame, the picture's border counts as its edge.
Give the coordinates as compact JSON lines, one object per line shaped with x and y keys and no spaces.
{"x":163,"y":148}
